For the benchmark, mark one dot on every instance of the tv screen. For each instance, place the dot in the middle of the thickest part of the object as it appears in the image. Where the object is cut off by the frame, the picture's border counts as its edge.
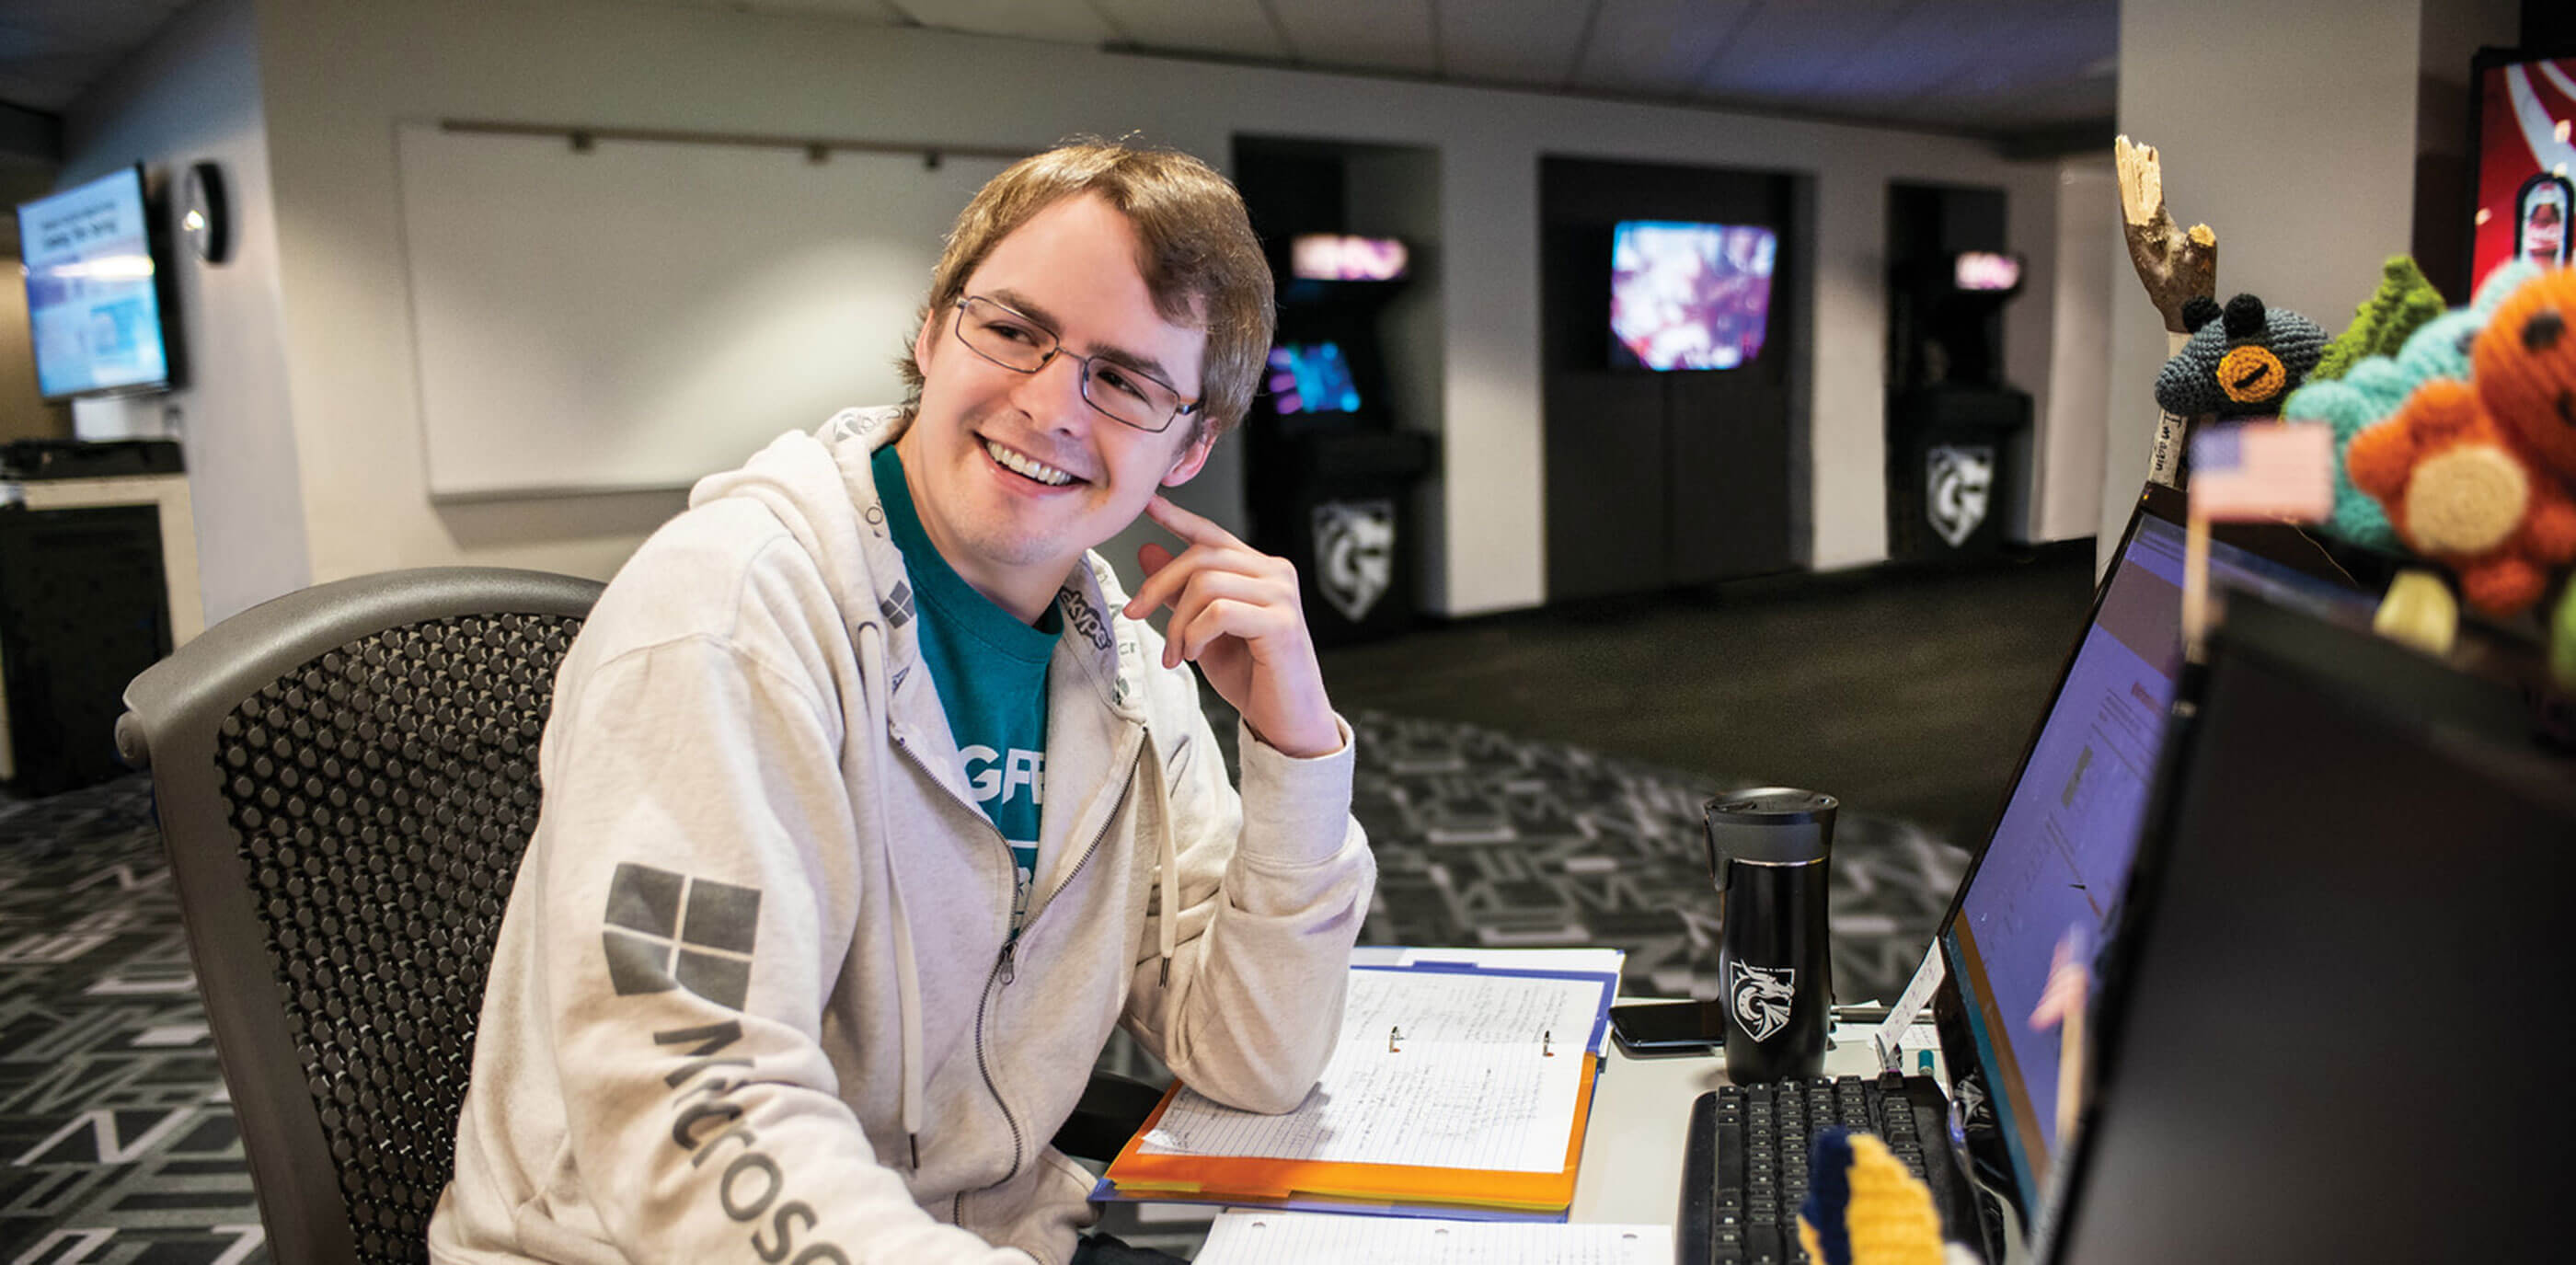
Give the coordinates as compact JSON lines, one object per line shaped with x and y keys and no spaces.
{"x":1311,"y":378}
{"x":2524,"y":156}
{"x":1689,"y":296}
{"x":1985,"y":270}
{"x":1339,"y":257}
{"x":93,"y":312}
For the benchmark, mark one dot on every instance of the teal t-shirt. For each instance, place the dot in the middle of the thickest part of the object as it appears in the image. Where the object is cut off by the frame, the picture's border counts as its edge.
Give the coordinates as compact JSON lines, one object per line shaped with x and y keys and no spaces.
{"x":990,"y":671}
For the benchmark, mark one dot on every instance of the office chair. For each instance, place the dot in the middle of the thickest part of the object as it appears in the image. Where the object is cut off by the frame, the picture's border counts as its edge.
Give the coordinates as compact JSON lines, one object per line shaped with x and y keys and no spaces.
{"x":346,"y":777}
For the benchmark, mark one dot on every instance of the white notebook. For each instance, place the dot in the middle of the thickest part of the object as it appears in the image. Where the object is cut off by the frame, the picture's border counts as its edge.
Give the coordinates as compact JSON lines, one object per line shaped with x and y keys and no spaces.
{"x":1288,"y":1238}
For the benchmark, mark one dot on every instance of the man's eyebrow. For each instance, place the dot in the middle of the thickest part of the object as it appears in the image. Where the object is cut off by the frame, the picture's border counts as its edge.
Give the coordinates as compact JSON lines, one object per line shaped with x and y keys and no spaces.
{"x":1115,"y":355}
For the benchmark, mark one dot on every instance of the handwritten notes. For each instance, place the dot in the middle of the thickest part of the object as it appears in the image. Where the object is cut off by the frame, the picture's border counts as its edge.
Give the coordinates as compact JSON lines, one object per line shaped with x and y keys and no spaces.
{"x":1484,"y":1075}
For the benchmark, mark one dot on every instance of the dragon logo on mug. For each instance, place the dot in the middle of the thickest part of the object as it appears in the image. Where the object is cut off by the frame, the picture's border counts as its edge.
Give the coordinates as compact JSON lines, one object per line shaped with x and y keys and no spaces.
{"x":1760,"y":997}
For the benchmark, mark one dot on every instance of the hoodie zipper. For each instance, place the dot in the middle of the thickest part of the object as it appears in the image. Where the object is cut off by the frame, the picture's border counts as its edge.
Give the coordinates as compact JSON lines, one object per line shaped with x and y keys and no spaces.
{"x":1004,"y":966}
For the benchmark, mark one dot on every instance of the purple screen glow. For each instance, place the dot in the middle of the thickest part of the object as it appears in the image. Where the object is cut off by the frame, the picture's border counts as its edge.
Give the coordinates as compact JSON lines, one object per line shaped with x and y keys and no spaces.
{"x":1689,"y":296}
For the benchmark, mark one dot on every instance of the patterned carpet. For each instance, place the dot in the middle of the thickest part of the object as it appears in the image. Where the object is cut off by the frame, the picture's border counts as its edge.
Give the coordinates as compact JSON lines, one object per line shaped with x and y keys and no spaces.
{"x":117,"y":1144}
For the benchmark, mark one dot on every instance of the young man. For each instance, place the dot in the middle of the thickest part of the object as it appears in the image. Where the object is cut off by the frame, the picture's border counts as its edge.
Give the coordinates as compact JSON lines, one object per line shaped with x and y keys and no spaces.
{"x":871,"y":804}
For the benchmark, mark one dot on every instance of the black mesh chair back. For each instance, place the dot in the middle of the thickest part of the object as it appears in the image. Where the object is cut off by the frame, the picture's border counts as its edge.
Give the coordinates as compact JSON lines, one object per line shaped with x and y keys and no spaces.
{"x":346,"y":778}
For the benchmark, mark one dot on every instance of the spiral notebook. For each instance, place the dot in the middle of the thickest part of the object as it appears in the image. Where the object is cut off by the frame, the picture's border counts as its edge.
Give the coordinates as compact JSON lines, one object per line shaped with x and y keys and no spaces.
{"x":1458,"y":1088}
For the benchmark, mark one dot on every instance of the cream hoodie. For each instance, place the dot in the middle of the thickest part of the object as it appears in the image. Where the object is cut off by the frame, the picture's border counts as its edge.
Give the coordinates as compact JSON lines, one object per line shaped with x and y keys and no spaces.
{"x":752,"y":1000}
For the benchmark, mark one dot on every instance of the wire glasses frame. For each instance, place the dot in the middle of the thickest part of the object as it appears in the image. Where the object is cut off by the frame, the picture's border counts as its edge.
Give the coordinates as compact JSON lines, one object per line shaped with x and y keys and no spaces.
{"x":1017,"y":342}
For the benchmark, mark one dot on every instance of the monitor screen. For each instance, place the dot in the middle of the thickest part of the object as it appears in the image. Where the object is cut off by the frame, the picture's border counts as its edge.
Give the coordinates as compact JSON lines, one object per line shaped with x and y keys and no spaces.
{"x":1689,"y":296}
{"x":2059,"y":857}
{"x":92,"y":310}
{"x":2524,"y":156}
{"x":1311,"y":378}
{"x":1341,"y":257}
{"x":1985,"y":270}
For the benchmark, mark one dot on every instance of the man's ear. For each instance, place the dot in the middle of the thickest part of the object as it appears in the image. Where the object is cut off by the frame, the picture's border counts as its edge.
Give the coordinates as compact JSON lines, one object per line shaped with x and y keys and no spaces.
{"x":923,"y":340}
{"x":1186,"y":466}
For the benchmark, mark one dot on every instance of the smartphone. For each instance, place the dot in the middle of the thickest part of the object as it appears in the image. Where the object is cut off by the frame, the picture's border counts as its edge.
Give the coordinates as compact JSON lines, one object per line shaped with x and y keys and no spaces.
{"x":1661,"y":1027}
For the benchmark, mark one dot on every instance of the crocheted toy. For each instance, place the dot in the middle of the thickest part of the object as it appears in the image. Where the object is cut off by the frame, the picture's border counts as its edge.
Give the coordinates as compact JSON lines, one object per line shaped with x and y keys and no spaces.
{"x":2380,"y":326}
{"x":2418,"y":611}
{"x":1863,"y":1208}
{"x":2241,"y":360}
{"x":2476,"y":476}
{"x":2376,"y":385}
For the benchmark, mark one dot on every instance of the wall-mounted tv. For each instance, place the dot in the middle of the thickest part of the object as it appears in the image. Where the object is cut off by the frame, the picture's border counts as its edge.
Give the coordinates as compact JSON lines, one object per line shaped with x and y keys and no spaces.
{"x":93,"y":301}
{"x":2524,"y":156}
{"x":1341,"y":257}
{"x":1689,"y":296}
{"x":1311,"y":378}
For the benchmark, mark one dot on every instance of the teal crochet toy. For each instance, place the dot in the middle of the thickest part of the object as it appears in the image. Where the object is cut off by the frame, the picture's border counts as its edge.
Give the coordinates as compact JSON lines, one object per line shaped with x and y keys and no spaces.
{"x":2376,"y":386}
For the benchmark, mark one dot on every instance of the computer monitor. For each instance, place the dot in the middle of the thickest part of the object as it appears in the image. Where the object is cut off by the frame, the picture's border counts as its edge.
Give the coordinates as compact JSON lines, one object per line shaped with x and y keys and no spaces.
{"x":2060,"y":852}
{"x":2321,"y":1033}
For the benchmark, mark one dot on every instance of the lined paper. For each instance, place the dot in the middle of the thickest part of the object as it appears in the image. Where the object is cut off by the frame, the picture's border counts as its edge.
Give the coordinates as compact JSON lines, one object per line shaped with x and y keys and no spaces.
{"x":1276,"y":1238}
{"x":1484,"y":1075}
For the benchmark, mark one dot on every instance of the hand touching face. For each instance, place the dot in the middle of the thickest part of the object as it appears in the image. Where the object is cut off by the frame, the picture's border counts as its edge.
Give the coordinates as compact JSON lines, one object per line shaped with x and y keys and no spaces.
{"x":1237,"y":614}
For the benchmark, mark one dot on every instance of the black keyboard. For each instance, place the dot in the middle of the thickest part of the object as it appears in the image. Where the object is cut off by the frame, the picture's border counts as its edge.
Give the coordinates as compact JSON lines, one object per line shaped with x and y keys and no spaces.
{"x":1745,"y":1171}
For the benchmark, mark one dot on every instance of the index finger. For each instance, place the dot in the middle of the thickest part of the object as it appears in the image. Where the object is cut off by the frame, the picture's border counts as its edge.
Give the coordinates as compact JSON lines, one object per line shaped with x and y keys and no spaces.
{"x":1188,"y":526}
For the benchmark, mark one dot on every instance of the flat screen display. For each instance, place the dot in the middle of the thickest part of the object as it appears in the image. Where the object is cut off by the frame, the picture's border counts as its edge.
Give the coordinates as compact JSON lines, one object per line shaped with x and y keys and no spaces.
{"x":1689,"y":296}
{"x":1985,"y":270}
{"x":2060,"y":855}
{"x":2524,"y":157}
{"x":93,"y":312}
{"x":1311,"y":378}
{"x":1340,"y":257}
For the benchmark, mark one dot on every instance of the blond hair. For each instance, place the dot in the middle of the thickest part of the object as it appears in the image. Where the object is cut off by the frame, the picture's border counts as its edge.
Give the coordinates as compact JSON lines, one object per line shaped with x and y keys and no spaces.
{"x":1197,"y":253}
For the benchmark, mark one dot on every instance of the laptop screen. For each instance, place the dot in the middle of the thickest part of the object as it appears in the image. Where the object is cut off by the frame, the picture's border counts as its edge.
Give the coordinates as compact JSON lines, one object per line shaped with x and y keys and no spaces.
{"x":2060,"y":854}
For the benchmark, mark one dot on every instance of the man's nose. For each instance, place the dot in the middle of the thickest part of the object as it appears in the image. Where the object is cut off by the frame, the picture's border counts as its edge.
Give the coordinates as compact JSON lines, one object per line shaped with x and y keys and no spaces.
{"x":1052,"y":397}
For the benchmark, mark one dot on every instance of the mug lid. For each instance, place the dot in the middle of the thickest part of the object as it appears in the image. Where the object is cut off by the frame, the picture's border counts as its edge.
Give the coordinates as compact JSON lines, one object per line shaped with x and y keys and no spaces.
{"x":1773,"y":806}
{"x":1771,"y":825}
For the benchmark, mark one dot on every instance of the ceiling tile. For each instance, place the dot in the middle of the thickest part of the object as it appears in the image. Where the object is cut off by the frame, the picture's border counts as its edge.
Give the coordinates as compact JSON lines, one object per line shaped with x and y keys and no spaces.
{"x":879,"y":12}
{"x":1055,"y":21}
{"x":1788,"y":51}
{"x":1656,"y":47}
{"x":1527,"y":42}
{"x":1236,"y":28}
{"x":1359,"y":34}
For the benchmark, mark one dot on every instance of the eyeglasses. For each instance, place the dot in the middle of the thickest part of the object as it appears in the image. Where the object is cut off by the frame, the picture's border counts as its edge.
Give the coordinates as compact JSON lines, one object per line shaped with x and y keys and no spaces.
{"x":1018,"y":343}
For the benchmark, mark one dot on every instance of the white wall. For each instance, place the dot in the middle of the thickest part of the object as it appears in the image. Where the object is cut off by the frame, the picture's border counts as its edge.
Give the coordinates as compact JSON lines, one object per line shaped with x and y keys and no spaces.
{"x":2288,"y":126}
{"x":340,"y":76}
{"x":193,"y":94}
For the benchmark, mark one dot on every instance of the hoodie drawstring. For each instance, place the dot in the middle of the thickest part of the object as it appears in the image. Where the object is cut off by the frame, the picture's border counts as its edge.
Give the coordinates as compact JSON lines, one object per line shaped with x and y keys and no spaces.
{"x":872,"y":676}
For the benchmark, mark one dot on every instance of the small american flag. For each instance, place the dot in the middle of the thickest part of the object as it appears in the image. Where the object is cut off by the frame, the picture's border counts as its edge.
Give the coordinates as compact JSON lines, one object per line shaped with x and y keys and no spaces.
{"x":2263,"y":470}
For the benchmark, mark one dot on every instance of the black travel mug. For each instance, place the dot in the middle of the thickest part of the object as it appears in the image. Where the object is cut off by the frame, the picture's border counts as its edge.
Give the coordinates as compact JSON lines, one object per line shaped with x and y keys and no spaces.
{"x":1767,"y":851}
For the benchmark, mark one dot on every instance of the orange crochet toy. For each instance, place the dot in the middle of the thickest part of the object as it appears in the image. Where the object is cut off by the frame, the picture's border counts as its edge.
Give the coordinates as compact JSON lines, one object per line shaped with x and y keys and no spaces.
{"x":2476,"y":477}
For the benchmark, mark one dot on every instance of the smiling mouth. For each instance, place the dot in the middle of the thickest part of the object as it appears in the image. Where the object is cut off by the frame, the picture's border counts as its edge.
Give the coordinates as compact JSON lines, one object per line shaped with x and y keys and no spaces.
{"x":1028,"y":467}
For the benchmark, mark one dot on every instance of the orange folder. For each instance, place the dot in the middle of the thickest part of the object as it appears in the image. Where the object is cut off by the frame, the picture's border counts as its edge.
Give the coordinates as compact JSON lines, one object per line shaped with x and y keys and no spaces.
{"x":1247,"y":1180}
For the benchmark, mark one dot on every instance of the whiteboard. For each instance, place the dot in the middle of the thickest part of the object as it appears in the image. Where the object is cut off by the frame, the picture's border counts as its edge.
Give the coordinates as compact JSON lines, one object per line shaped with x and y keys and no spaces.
{"x":647,"y":313}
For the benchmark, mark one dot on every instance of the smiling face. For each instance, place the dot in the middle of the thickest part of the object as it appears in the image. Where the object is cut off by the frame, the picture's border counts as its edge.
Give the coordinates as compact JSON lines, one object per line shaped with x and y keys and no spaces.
{"x":1071,"y":268}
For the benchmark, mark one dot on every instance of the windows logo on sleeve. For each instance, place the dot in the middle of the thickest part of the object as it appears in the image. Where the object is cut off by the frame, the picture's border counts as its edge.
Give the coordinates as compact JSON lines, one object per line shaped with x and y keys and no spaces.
{"x":669,"y":930}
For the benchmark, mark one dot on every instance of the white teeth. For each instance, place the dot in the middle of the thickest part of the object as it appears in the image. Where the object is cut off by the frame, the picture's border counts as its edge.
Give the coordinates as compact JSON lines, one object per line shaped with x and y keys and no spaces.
{"x":1037,"y":470}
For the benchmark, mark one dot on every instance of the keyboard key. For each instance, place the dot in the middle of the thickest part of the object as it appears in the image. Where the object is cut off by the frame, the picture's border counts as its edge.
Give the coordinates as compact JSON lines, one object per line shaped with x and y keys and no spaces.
{"x":1762,"y":1246}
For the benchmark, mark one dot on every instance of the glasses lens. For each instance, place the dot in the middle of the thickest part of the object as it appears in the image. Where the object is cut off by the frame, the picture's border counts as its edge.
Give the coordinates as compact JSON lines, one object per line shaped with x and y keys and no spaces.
{"x":1128,"y":396}
{"x":1003,"y":336}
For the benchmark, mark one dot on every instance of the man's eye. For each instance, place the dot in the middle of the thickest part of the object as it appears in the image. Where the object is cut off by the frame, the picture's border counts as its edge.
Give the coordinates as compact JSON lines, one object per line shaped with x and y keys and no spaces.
{"x":1016,"y":333}
{"x":1118,"y":381}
